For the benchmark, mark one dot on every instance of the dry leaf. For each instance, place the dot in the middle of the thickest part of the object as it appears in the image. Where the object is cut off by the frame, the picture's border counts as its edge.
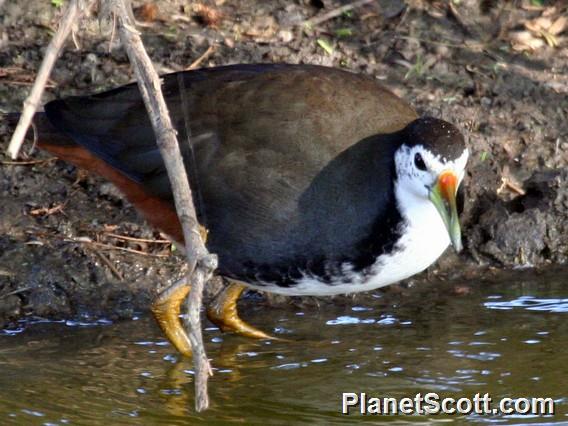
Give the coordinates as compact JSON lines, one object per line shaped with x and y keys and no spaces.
{"x":538,"y":24}
{"x":558,"y":26}
{"x":542,"y":29}
{"x":148,"y":12}
{"x":208,"y":15}
{"x":525,"y":40}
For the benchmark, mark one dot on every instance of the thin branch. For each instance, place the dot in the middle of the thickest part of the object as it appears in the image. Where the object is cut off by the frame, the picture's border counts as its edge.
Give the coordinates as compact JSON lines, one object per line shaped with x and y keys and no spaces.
{"x":108,"y":263}
{"x":199,"y":60}
{"x":24,"y":83}
{"x":455,"y":45}
{"x":28,"y":162}
{"x":86,"y":240}
{"x":73,"y":12}
{"x":316,"y":20}
{"x":18,"y":291}
{"x":201,"y":263}
{"x":139,"y":240}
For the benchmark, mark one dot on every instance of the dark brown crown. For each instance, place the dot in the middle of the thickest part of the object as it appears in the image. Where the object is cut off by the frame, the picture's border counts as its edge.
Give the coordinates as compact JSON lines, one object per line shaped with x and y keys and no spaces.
{"x":438,"y":136}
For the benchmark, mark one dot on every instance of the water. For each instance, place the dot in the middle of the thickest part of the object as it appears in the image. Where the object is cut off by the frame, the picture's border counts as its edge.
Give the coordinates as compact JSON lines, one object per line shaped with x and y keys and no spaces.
{"x":508,"y":339}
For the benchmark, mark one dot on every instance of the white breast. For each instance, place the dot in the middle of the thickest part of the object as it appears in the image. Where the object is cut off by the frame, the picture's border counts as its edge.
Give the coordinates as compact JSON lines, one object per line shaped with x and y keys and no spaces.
{"x":424,"y":239}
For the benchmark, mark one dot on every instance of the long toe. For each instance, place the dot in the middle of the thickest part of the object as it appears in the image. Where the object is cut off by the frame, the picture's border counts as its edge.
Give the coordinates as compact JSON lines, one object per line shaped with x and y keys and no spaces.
{"x":224,"y":314}
{"x":166,"y":310}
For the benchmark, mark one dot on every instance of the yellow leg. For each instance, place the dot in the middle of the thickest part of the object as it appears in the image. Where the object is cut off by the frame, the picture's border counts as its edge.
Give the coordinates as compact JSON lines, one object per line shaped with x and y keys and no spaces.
{"x":223,"y":313}
{"x":166,"y":310}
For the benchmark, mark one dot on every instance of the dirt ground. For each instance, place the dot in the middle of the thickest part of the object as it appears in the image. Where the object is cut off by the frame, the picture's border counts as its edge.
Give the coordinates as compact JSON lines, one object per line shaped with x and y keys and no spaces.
{"x":71,"y":247}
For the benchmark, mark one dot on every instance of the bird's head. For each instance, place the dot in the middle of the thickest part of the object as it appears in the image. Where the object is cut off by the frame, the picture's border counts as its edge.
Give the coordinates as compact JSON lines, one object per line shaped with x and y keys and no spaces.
{"x":430,"y":165}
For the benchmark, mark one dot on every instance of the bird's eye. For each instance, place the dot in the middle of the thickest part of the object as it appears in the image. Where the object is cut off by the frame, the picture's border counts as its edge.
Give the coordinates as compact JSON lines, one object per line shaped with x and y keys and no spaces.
{"x":419,"y":162}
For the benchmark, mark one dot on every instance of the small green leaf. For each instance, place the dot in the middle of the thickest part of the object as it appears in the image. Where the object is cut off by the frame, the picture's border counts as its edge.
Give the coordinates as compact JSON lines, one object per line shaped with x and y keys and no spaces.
{"x":538,"y":3}
{"x":344,"y":32}
{"x":57,"y":3}
{"x":450,"y":99}
{"x":325,"y":45}
{"x":417,"y":69}
{"x":483,"y":156}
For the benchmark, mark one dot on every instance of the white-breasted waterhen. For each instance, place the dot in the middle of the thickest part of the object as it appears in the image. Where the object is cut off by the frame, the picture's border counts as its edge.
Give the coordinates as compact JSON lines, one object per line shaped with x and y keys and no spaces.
{"x":309,"y":180}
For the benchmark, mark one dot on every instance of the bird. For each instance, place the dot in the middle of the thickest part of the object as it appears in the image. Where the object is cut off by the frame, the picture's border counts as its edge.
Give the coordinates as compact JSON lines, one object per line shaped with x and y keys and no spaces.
{"x":308,"y":180}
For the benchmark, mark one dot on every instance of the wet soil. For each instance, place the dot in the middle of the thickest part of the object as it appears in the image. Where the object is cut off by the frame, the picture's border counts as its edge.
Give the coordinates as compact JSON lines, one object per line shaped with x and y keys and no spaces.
{"x":71,"y":246}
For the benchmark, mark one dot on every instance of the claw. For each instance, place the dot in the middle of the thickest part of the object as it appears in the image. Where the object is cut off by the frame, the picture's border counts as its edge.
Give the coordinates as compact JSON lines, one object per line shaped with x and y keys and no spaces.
{"x":203,"y":233}
{"x":224,"y":314}
{"x":166,"y":309}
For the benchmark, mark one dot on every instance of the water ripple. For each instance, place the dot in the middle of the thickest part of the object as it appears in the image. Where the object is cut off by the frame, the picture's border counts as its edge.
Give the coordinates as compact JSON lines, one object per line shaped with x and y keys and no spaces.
{"x":531,"y":303}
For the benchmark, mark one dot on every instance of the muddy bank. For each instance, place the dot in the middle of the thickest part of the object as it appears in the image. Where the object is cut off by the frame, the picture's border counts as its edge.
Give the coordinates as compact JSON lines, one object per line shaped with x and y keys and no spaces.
{"x":71,"y":247}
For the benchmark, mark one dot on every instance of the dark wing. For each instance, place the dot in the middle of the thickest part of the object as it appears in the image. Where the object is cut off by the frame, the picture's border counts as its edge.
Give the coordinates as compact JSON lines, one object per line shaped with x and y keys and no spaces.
{"x":270,"y":182}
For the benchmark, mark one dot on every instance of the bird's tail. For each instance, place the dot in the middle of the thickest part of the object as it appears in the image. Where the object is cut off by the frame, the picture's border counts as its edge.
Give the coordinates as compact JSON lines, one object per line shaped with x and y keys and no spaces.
{"x":11,"y":118}
{"x":41,"y":130}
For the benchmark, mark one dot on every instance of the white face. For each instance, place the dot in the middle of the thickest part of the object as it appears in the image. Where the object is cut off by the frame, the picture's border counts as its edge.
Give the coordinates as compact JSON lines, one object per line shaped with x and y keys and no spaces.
{"x":418,"y":169}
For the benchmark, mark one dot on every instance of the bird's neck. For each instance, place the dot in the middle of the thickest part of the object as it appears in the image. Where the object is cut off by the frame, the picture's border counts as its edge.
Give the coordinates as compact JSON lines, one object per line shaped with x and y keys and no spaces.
{"x":424,"y":237}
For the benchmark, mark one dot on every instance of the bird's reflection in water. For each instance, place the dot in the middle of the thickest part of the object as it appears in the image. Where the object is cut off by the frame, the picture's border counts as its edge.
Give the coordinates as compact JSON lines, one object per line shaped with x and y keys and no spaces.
{"x":229,"y":361}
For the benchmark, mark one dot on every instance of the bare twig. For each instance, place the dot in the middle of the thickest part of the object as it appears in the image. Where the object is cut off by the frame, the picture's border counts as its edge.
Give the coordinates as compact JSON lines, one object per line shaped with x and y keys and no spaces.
{"x":201,"y":263}
{"x":108,"y":263}
{"x":72,"y":14}
{"x":456,"y":44}
{"x":20,"y":76}
{"x":28,"y":162}
{"x":199,"y":60}
{"x":18,"y":291}
{"x":24,"y":83}
{"x":84,"y":240}
{"x":139,"y":240}
{"x":506,"y":183}
{"x":47,"y":211}
{"x":316,"y":20}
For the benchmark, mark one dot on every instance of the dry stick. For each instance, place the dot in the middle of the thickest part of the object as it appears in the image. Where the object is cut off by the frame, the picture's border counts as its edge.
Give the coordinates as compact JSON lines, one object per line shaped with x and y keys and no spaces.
{"x":140,"y":240}
{"x":88,"y":241}
{"x":108,"y":263}
{"x":28,"y":162}
{"x":199,"y":60}
{"x":124,"y":249}
{"x":72,"y":14}
{"x":20,"y":290}
{"x":201,"y":263}
{"x":5,"y":273}
{"x":316,"y":20}
{"x":24,"y":83}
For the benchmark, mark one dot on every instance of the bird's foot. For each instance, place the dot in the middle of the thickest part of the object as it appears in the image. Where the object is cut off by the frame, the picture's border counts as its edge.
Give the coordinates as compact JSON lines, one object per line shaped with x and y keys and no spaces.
{"x":224,"y":314}
{"x":166,"y":310}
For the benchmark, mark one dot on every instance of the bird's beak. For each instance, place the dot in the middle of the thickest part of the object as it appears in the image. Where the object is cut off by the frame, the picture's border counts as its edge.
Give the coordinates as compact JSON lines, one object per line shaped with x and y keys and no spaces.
{"x":443,"y":196}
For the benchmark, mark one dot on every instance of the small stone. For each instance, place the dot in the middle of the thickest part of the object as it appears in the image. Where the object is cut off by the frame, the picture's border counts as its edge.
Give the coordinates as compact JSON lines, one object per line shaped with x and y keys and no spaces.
{"x":285,"y":35}
{"x":442,"y":50}
{"x":10,"y":307}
